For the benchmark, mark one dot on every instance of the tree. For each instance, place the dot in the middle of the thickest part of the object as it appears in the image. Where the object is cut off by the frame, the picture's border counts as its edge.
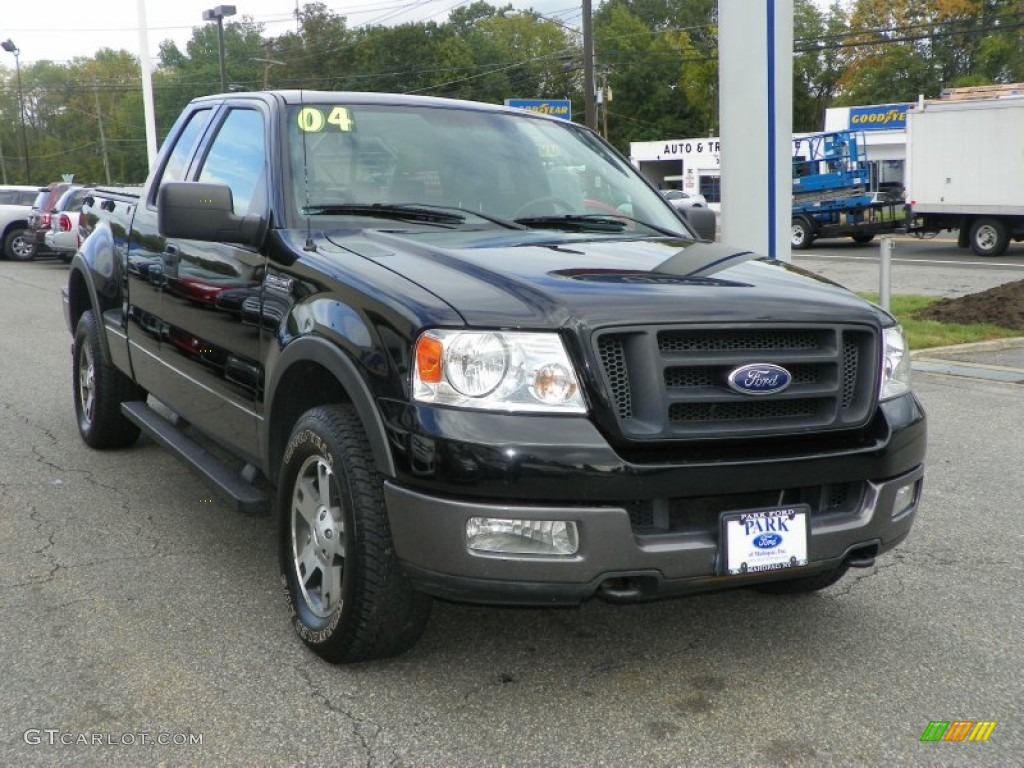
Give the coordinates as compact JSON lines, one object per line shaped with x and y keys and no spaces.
{"x":663,"y":80}
{"x":817,"y":61}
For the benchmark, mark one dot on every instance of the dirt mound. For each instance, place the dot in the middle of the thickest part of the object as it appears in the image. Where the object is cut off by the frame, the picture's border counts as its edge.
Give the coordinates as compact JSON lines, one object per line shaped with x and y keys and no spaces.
{"x":1002,"y":306}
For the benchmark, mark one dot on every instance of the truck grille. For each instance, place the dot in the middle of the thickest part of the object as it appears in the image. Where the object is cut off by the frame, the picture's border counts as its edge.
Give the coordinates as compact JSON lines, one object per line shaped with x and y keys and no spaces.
{"x":701,"y":514}
{"x":672,"y":383}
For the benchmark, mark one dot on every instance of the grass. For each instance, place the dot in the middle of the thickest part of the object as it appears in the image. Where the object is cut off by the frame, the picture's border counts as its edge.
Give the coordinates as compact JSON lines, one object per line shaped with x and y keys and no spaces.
{"x":923,"y":334}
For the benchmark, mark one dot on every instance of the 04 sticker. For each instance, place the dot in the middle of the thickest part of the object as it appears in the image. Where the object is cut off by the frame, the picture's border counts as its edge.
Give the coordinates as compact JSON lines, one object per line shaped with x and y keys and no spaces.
{"x":315,"y":119}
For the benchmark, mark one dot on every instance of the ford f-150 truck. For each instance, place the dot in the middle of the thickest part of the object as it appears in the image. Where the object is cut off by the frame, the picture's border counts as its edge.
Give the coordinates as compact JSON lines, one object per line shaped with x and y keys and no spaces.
{"x":467,"y":351}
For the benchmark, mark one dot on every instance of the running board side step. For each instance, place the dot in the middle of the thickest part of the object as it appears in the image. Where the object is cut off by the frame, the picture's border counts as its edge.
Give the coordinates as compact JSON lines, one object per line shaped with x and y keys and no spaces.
{"x":246,"y":497}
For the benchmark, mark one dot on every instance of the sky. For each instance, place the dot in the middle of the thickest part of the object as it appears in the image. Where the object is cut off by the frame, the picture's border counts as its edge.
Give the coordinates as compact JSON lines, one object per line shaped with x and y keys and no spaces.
{"x":60,"y":30}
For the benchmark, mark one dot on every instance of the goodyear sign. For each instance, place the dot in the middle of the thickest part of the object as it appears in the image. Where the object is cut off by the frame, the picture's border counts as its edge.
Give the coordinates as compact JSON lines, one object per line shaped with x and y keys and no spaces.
{"x":555,"y":107}
{"x":884,"y":117}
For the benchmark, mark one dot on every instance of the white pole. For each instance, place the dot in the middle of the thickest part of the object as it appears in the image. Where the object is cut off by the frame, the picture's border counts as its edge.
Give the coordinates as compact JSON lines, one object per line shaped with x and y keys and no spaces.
{"x":885,"y":247}
{"x":755,"y":76}
{"x":147,"y":85}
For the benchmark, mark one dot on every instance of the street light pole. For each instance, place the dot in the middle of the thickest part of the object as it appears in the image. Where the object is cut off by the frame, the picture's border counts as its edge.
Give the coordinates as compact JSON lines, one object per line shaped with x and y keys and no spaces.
{"x":217,"y":14}
{"x":10,"y":47}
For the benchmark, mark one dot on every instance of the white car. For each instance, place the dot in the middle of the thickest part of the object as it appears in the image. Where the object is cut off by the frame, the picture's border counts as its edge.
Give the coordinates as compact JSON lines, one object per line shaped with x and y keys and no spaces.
{"x":681,"y":199}
{"x":15,"y":206}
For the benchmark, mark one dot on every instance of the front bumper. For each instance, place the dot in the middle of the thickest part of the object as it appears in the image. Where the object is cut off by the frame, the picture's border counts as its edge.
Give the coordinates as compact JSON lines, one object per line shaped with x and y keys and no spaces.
{"x":646,"y":529}
{"x":614,"y":559}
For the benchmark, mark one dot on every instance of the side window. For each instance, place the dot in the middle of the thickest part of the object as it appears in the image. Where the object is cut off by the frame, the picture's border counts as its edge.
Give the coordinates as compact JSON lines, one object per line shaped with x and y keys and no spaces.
{"x":238,"y":157}
{"x":174,"y":169}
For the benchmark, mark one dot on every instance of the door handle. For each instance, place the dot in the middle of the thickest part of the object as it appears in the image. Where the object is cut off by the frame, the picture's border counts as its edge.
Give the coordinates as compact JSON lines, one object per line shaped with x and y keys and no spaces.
{"x":170,"y":257}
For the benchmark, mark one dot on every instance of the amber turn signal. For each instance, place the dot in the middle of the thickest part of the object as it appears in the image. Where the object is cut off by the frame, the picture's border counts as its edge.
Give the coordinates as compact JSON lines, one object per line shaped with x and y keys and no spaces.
{"x":429,"y":352}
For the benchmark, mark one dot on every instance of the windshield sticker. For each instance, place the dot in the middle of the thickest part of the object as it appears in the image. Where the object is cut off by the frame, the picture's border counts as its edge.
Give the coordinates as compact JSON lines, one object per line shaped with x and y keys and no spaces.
{"x":313,"y":120}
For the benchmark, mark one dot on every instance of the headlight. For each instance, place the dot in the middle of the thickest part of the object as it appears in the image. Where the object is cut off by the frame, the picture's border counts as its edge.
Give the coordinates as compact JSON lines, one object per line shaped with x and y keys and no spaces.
{"x":496,"y":370}
{"x":895,"y":378}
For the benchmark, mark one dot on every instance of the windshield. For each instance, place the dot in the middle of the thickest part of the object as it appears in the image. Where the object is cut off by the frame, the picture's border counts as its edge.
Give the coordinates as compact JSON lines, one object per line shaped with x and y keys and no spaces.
{"x":500,"y":165}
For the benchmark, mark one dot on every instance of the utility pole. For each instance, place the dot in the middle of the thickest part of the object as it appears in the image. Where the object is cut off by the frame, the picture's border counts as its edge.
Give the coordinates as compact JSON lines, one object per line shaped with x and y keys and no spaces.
{"x":589,"y":105}
{"x":103,"y":137}
{"x":606,"y":96}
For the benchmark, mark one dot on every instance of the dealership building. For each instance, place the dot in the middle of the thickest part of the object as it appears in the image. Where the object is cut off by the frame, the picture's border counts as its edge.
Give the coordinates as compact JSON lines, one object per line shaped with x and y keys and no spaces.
{"x":693,"y":165}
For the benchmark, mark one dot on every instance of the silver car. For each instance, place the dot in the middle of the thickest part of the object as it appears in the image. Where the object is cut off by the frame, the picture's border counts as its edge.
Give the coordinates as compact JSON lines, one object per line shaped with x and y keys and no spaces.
{"x":681,"y":199}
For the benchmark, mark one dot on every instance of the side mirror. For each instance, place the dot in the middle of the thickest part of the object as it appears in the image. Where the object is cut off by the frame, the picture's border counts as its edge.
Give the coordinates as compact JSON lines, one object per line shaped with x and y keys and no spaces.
{"x":199,"y":211}
{"x":702,"y":220}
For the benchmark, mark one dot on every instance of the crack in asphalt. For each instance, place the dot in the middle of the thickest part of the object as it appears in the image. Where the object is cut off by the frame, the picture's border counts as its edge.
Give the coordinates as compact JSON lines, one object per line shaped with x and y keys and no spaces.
{"x":369,"y":745}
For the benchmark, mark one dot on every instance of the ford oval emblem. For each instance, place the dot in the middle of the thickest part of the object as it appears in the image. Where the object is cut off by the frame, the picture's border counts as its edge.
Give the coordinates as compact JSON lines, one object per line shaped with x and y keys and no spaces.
{"x":760,"y":379}
{"x":767,"y":540}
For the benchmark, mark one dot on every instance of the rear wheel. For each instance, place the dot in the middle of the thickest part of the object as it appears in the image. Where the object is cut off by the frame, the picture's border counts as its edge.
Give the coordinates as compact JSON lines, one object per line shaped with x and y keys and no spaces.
{"x":99,"y":389}
{"x":862,"y":239}
{"x":348,"y":596}
{"x":803,"y":585}
{"x":18,"y":245}
{"x":989,"y":237}
{"x":802,"y":236}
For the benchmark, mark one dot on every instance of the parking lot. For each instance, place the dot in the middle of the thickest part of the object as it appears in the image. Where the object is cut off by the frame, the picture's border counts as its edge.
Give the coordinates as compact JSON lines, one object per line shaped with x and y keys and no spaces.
{"x":142,"y":622}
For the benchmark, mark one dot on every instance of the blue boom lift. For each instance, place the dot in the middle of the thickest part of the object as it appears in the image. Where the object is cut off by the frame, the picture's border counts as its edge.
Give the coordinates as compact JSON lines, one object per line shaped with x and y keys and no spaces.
{"x":831,"y":191}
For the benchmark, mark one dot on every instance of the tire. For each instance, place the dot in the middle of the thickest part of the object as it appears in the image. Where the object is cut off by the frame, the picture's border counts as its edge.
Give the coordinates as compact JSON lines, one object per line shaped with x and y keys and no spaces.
{"x":99,"y":389}
{"x":804,"y":585}
{"x":18,"y":245}
{"x":802,"y":235}
{"x":333,"y":531}
{"x":989,"y":237}
{"x":862,"y":239}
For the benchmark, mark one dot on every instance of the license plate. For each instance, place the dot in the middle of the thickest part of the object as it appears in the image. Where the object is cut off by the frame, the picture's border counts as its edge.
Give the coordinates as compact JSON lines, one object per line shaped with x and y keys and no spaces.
{"x":768,"y":539}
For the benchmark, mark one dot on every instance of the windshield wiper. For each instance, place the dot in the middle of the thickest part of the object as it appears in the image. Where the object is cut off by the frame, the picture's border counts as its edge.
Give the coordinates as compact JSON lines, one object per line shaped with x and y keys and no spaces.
{"x":400,"y":212}
{"x":408,"y":211}
{"x":576,"y":222}
{"x":591,"y":222}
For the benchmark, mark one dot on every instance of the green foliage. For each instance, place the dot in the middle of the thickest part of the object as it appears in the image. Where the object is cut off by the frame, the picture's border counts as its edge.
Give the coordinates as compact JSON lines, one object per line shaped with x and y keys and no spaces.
{"x":659,"y":57}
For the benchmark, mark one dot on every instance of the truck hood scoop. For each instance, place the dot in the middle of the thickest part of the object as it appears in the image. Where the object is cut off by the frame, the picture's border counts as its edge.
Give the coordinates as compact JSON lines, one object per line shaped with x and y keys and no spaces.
{"x":701,"y":260}
{"x":692,"y":265}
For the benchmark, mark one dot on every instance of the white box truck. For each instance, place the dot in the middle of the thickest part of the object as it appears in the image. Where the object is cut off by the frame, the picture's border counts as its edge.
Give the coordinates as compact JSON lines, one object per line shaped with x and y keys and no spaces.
{"x":965,"y":171}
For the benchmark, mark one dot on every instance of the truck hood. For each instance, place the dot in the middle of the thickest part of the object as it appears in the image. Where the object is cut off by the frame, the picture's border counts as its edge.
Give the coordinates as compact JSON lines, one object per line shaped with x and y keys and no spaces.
{"x":541,"y":280}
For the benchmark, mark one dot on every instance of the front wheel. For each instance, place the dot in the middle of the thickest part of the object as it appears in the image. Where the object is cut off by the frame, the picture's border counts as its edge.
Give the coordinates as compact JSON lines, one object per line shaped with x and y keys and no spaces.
{"x":19,"y":245}
{"x":348,"y":596}
{"x":802,"y":235}
{"x":99,"y":389}
{"x":989,"y":237}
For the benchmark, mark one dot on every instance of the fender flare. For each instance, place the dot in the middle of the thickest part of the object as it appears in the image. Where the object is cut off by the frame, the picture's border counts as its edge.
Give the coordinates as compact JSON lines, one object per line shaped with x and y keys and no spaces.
{"x":80,"y":267}
{"x":318,"y":350}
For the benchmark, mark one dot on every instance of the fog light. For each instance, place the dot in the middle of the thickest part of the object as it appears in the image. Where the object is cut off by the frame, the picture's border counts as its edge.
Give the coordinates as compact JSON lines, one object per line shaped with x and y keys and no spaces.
{"x":906,"y":497}
{"x":522,"y":537}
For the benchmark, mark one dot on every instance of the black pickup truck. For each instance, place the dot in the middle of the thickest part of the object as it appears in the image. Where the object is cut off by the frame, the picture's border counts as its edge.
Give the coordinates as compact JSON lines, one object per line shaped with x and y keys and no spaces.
{"x":469,"y":352}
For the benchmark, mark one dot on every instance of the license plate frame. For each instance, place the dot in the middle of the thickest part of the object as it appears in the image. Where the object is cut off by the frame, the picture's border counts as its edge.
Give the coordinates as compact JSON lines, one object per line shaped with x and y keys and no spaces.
{"x":764,"y":539}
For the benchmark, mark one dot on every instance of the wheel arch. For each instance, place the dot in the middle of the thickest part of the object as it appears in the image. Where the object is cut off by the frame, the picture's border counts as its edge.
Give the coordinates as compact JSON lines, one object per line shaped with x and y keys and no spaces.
{"x":82,"y":297}
{"x":310,"y":372}
{"x":13,"y":225}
